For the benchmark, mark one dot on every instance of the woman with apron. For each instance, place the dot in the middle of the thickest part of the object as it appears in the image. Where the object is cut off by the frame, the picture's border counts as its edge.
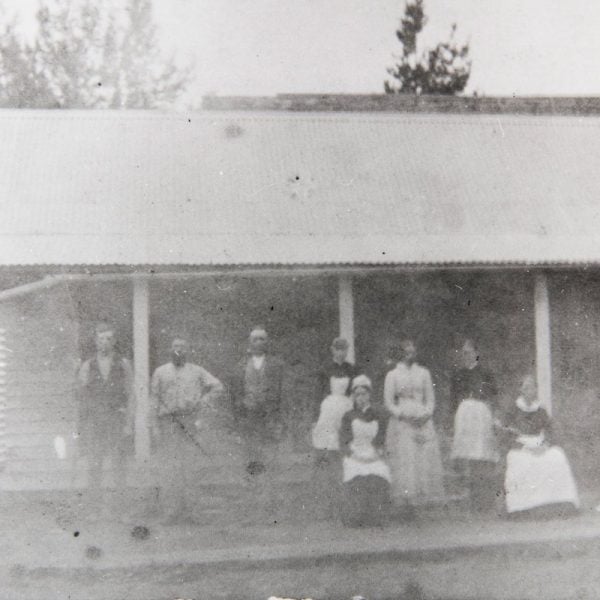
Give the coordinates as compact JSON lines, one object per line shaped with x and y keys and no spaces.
{"x":366,"y":476}
{"x":474,"y":443}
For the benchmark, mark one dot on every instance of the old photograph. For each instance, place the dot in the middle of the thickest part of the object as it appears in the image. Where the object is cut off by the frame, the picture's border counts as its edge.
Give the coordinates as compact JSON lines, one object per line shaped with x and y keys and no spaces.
{"x":299,"y":299}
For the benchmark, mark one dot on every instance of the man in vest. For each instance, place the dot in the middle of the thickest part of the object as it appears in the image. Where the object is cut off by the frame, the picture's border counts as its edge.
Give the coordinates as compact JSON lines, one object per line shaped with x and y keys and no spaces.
{"x":106,"y":410}
{"x":257,"y":390}
{"x":182,"y":393}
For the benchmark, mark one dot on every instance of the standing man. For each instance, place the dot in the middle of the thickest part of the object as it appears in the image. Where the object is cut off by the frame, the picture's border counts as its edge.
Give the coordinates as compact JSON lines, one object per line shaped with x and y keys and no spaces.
{"x":180,"y":391}
{"x":106,"y":409}
{"x":257,"y":396}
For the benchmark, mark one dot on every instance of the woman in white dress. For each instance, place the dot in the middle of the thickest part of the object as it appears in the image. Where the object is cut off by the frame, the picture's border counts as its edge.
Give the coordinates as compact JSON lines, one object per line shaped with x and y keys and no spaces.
{"x":412,"y":446}
{"x":538,"y":476}
{"x":365,"y":474}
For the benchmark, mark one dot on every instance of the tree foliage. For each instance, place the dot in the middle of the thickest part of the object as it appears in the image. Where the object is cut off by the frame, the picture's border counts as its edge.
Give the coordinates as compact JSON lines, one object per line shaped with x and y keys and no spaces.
{"x":86,"y":54}
{"x":444,"y":69}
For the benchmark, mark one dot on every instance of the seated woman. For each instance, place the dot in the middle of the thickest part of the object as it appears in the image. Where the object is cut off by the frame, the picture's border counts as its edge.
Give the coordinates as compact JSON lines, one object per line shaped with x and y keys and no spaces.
{"x":366,"y":476}
{"x":538,"y":479}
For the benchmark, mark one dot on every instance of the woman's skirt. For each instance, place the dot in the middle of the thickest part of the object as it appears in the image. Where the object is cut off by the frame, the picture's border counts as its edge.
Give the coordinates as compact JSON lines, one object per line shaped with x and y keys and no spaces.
{"x":534,"y":480}
{"x":366,"y":501}
{"x":413,"y":454}
{"x":474,"y":437}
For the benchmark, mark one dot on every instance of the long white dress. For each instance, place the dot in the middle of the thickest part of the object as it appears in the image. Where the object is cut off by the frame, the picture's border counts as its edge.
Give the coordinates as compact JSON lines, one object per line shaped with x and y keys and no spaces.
{"x":412,"y":450}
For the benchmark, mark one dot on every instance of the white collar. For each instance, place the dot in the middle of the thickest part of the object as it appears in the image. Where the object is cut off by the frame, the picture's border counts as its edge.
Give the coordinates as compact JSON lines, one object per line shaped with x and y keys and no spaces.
{"x":528,"y":407}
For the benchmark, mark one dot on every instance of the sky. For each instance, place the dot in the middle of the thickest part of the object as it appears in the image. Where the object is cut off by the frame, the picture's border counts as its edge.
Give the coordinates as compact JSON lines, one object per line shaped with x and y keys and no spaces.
{"x":265,"y":47}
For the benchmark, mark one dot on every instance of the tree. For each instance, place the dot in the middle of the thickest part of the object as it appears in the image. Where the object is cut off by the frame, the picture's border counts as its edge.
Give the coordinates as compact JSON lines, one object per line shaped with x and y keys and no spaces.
{"x":89,"y":55}
{"x":444,"y":69}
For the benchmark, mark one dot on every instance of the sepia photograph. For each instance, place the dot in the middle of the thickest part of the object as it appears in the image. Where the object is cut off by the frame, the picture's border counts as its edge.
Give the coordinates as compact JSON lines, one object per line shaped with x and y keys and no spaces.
{"x":299,"y":299}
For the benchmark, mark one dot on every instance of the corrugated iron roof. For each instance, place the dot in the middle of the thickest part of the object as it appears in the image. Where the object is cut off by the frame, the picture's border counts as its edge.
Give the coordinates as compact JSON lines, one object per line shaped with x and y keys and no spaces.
{"x":229,"y":188}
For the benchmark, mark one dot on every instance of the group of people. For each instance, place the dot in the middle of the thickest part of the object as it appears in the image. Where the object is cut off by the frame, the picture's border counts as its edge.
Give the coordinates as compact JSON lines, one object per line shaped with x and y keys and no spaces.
{"x":376,"y":461}
{"x":186,"y":406}
{"x":372,"y":459}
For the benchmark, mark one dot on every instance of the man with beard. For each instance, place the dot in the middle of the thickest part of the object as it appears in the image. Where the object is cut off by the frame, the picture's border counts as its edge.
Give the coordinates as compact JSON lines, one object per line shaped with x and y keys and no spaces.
{"x":106,"y":410}
{"x":180,"y":391}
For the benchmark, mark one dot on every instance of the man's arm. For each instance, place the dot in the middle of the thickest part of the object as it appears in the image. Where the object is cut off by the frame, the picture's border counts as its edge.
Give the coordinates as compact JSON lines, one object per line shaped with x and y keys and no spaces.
{"x":155,"y":389}
{"x":211,"y":388}
{"x":285,"y":390}
{"x":81,"y":383}
{"x":235,"y":389}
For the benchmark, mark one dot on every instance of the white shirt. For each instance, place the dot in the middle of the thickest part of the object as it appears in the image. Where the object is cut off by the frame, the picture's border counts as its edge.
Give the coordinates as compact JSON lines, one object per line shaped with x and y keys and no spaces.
{"x":258,"y":361}
{"x":183,"y":389}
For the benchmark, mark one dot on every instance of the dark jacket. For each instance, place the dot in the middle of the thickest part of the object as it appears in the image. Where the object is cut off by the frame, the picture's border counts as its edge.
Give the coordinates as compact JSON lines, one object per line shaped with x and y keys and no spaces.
{"x":477,"y":383}
{"x":270,"y":409}
{"x":519,"y":422}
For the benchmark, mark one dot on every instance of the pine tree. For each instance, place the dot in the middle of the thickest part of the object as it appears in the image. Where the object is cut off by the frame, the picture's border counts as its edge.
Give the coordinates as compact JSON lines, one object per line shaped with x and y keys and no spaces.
{"x":444,"y":69}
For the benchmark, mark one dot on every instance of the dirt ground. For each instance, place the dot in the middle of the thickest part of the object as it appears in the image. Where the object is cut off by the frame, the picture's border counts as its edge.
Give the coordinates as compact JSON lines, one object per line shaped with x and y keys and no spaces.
{"x":49,"y":550}
{"x":481,"y":576}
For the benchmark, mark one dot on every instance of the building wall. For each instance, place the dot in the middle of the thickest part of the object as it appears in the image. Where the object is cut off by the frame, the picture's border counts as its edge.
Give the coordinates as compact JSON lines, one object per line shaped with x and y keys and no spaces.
{"x":575,"y":317}
{"x":41,"y":335}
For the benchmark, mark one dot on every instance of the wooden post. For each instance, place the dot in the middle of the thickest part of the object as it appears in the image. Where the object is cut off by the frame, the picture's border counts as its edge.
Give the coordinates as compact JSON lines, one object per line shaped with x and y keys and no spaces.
{"x":141,"y":365}
{"x":542,"y":341}
{"x":346,"y":312}
{"x":3,"y":369}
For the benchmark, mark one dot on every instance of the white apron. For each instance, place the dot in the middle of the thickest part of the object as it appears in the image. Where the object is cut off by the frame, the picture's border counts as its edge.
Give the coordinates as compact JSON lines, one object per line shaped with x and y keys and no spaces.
{"x":536,"y":479}
{"x":474,"y":437}
{"x":364,"y":459}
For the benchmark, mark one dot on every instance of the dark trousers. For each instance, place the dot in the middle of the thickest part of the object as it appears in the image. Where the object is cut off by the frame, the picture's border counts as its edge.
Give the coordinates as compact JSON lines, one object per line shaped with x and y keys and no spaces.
{"x":101,"y":440}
